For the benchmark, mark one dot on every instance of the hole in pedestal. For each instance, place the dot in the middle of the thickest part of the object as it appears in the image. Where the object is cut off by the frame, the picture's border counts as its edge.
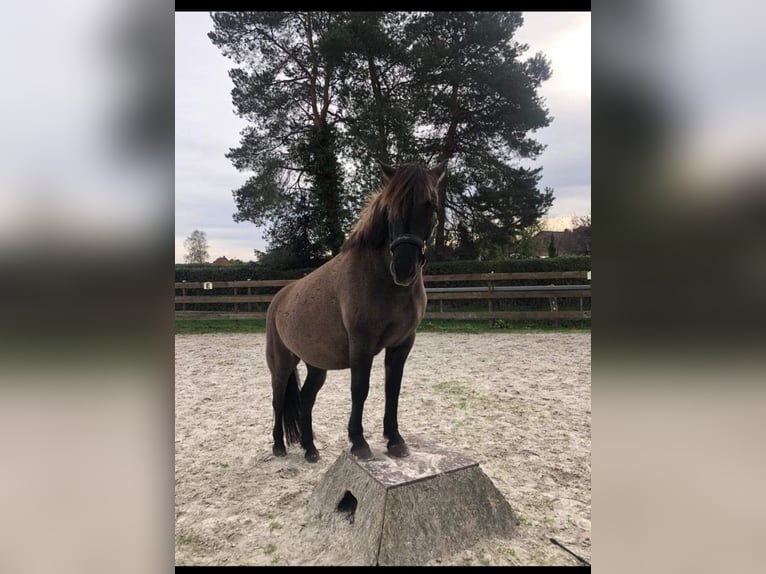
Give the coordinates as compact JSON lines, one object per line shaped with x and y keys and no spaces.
{"x":347,"y":505}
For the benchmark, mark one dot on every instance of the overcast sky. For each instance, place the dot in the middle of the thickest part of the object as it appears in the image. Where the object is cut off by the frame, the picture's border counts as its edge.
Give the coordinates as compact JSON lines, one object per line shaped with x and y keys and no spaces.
{"x":206,"y":127}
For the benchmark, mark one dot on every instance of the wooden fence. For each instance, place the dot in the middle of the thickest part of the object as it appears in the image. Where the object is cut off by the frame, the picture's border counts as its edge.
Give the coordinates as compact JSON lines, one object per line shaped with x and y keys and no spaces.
{"x":489,"y":287}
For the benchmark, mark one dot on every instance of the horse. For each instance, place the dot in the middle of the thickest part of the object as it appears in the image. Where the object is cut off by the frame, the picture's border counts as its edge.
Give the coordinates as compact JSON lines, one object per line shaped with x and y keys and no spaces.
{"x":367,"y":298}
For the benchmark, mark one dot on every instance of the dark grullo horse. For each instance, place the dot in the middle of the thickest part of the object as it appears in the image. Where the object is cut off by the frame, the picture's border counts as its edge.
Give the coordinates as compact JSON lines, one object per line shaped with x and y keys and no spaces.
{"x":367,"y":298}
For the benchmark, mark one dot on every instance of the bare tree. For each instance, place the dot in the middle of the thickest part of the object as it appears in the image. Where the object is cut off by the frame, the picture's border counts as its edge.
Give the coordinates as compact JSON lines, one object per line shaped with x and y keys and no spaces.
{"x":196,"y":247}
{"x":581,"y":221}
{"x":582,"y":232}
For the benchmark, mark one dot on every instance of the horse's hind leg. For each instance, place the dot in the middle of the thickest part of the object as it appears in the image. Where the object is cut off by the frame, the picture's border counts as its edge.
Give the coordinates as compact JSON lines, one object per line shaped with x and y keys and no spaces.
{"x":285,"y":391}
{"x":285,"y":399}
{"x":314,"y":381}
{"x":278,"y":387}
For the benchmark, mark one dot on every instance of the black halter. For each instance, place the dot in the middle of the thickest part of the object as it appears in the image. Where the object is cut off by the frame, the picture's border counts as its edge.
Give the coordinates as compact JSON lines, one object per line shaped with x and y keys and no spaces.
{"x":412,"y":240}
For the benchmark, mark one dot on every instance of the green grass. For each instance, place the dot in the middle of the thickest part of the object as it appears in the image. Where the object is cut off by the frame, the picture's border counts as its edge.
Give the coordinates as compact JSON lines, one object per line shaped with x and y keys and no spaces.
{"x":196,"y":326}
{"x":270,"y":548}
{"x":499,"y":326}
{"x":455,"y":390}
{"x":509,"y":551}
{"x":450,"y":387}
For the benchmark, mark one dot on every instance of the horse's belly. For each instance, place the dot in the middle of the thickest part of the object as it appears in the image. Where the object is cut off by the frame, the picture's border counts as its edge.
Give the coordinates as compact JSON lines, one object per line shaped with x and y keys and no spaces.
{"x":320,"y":343}
{"x":323,"y":354}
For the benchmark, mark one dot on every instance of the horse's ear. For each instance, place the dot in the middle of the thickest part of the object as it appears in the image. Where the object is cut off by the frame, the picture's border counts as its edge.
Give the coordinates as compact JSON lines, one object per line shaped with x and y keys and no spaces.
{"x":440,"y":171}
{"x":388,"y":171}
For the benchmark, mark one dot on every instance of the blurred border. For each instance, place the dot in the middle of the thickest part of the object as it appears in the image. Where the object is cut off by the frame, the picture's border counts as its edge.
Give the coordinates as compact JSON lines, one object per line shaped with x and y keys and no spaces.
{"x":86,"y":252}
{"x":86,"y":249}
{"x":679,"y":277}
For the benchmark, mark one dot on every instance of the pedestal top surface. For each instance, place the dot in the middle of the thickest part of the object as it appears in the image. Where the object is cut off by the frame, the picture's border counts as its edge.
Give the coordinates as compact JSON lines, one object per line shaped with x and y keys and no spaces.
{"x":427,"y":459}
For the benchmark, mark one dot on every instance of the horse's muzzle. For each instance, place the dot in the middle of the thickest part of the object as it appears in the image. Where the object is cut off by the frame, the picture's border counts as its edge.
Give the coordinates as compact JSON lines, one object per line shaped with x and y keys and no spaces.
{"x":405,"y":283}
{"x":404,"y":269}
{"x":412,"y":240}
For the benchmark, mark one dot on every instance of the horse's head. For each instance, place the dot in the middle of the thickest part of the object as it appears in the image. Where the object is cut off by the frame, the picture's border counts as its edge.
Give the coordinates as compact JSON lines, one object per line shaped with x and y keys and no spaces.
{"x":410,"y":197}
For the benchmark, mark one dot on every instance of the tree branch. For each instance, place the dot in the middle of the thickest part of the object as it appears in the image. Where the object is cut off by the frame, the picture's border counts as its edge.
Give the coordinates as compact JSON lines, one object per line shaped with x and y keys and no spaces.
{"x":292,"y":56}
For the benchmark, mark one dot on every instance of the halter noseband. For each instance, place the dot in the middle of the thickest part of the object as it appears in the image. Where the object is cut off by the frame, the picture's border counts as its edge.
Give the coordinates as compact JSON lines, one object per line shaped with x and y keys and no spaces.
{"x":412,"y":240}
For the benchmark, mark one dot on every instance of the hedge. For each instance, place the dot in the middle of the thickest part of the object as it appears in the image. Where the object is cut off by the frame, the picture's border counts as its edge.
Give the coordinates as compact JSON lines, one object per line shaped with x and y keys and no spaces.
{"x":569,"y":263}
{"x":241,"y":272}
{"x":253,"y":271}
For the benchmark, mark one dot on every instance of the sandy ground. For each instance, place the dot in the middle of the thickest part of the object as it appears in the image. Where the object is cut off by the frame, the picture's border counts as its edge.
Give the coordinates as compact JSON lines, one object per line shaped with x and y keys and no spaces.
{"x":519,"y":404}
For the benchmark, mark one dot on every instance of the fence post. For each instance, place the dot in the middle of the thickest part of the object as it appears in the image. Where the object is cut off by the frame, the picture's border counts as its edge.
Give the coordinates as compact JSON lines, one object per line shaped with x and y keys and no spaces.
{"x":183,"y":294}
{"x":553,"y":302}
{"x":249,"y":304}
{"x":490,"y":289}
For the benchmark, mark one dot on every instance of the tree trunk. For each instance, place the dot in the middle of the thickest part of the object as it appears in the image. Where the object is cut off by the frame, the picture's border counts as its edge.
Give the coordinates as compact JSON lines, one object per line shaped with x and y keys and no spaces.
{"x":447,"y":152}
{"x":314,"y":70}
{"x":441,"y":213}
{"x":382,"y":151}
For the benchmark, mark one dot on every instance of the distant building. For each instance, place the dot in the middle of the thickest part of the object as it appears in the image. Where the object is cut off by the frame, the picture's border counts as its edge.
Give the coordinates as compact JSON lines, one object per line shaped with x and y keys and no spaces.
{"x":221,"y":261}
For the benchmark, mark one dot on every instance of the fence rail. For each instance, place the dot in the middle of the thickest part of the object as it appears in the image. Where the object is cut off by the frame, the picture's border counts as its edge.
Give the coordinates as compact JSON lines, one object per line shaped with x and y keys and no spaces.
{"x":486,"y":290}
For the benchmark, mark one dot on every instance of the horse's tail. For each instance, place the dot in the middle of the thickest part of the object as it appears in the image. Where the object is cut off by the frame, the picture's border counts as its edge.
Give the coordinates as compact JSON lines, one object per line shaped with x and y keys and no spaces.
{"x":292,"y":412}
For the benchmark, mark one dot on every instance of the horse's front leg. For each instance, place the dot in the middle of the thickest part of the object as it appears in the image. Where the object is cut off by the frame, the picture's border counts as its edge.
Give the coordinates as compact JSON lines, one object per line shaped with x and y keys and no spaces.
{"x":395,"y":359}
{"x":360,"y":386}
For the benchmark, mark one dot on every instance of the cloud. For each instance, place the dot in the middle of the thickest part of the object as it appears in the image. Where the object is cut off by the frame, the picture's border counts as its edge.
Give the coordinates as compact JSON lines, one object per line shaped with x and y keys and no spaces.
{"x":565,"y":40}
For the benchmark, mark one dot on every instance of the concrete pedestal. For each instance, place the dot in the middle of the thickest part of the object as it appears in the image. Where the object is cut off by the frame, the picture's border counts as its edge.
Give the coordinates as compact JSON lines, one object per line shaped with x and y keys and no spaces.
{"x":402,"y":511}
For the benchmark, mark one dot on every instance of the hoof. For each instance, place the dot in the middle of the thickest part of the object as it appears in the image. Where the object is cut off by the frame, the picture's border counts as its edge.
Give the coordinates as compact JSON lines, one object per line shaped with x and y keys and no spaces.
{"x":361,"y":452}
{"x":279,"y":450}
{"x":399,"y":450}
{"x":312,"y":456}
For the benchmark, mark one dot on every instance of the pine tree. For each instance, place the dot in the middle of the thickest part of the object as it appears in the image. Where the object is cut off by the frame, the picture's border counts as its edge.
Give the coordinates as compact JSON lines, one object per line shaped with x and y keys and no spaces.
{"x":477,"y":100}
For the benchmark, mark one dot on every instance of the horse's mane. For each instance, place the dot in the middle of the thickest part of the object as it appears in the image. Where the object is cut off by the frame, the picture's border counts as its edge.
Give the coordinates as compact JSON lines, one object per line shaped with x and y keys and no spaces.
{"x":411,"y":184}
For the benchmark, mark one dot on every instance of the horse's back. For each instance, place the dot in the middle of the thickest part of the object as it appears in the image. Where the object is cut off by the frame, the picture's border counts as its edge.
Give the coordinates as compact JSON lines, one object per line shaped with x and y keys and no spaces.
{"x":305,"y":316}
